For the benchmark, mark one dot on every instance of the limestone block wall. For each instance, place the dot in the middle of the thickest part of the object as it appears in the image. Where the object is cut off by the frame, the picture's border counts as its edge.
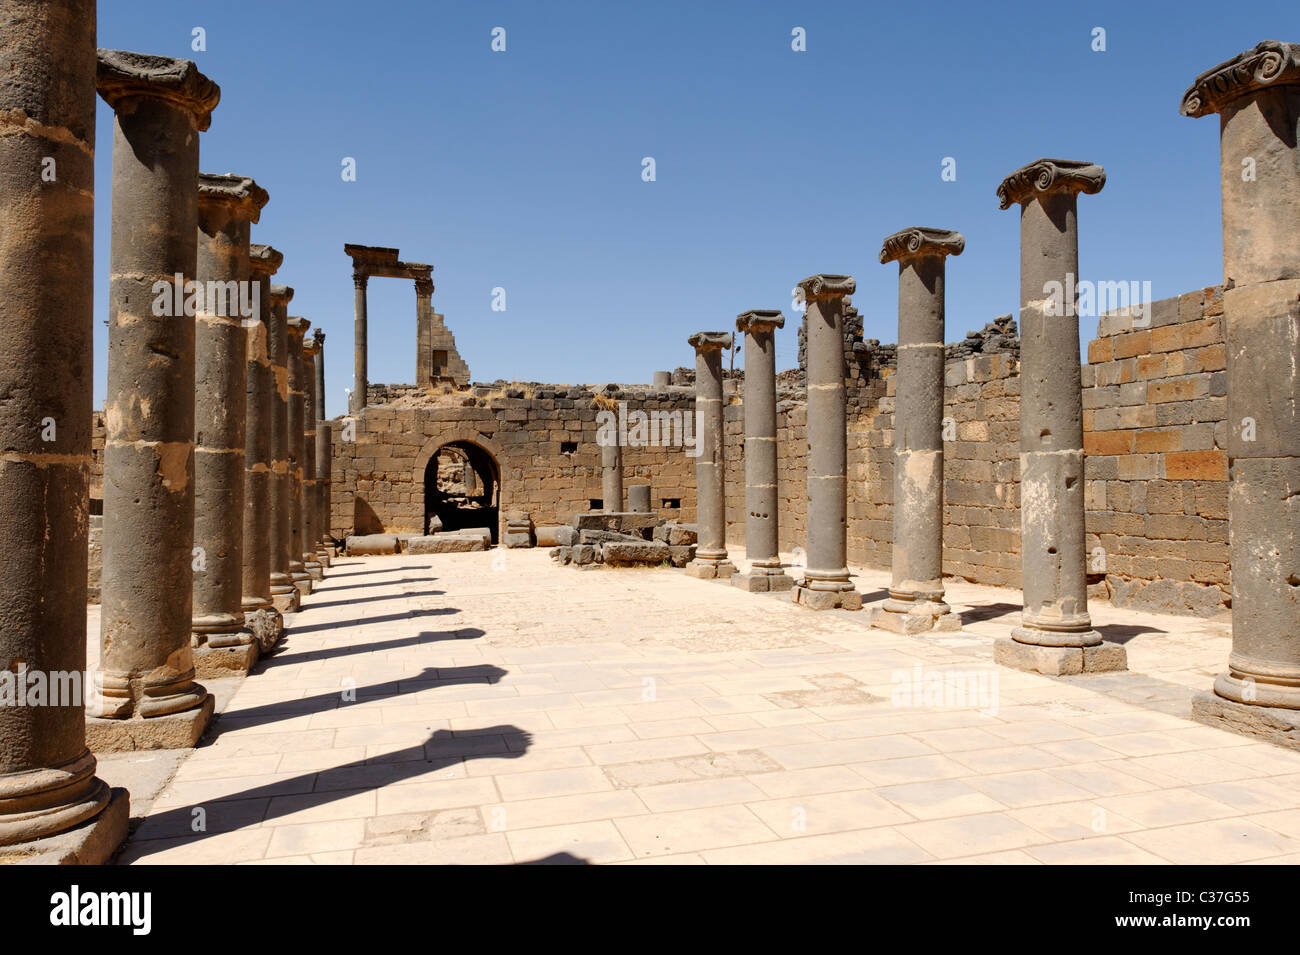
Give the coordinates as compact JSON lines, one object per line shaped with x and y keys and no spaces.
{"x":543,"y":439}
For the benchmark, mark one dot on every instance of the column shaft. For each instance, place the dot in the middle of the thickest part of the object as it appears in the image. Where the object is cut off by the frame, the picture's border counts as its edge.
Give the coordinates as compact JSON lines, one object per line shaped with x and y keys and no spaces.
{"x":259,"y":393}
{"x":283,"y":591}
{"x":323,"y":454}
{"x":47,"y":109}
{"x":710,"y":491}
{"x":297,"y":443}
{"x":360,"y":381}
{"x":309,"y":499}
{"x":611,"y":475}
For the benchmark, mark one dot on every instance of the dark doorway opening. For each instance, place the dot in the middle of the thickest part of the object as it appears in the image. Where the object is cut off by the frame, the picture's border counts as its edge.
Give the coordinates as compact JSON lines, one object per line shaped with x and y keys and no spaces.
{"x":462,"y":488}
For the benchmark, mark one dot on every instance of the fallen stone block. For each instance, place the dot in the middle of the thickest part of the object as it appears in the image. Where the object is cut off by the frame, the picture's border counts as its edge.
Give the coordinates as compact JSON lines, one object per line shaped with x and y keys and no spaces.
{"x":639,"y":552}
{"x":549,"y":535}
{"x":366,"y":544}
{"x":447,"y":543}
{"x":620,"y":521}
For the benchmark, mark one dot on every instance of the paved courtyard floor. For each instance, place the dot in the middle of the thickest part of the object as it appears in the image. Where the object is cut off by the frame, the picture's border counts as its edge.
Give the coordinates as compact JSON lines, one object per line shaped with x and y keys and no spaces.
{"x":495,"y":708}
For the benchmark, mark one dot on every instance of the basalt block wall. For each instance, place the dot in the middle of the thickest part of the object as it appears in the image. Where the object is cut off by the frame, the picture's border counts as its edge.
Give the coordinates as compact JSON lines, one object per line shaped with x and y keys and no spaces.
{"x":1154,"y":427}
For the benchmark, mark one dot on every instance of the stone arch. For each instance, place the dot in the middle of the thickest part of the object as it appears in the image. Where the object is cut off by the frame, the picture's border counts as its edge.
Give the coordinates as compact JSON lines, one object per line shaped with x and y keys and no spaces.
{"x":460,"y":508}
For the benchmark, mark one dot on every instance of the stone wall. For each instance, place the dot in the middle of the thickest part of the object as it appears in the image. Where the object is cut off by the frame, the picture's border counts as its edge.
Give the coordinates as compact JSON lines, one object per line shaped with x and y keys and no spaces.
{"x":1156,"y":472}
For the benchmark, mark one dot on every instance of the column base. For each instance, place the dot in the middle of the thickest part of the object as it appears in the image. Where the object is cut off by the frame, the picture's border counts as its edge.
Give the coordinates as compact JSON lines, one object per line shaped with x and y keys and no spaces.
{"x":1059,"y":661}
{"x":302,"y":580}
{"x":216,"y":662}
{"x":710,"y":569}
{"x":1272,"y":724}
{"x":315,"y":569}
{"x":915,"y":616}
{"x":805,"y":596}
{"x":323,"y":557}
{"x":756,"y":582}
{"x":94,"y":842}
{"x":288,"y":602}
{"x":173,"y":731}
{"x":267,"y":626}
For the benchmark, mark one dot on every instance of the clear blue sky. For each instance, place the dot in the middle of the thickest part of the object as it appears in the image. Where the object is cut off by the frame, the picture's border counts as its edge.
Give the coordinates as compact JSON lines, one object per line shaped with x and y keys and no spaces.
{"x":523,"y":169}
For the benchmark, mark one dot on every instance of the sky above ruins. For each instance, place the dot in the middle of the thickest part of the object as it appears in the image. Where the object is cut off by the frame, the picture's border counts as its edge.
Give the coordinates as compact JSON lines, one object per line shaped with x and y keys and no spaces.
{"x":525,"y":169}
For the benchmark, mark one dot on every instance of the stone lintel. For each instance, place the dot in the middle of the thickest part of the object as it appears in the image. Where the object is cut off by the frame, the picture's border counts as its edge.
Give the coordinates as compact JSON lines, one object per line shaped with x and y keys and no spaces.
{"x":825,"y":286}
{"x":383,"y":262}
{"x":264,"y":260}
{"x":703,"y":341}
{"x":1267,"y":64}
{"x":1045,"y":176}
{"x":920,"y":241}
{"x":297,"y":324}
{"x":245,"y":197}
{"x":122,"y":75}
{"x":281,"y":295}
{"x":759,"y":320}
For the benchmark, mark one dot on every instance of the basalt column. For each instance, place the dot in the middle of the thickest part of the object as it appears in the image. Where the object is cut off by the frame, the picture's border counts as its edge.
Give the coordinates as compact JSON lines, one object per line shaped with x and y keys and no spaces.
{"x":826,"y":582}
{"x":915,"y":603}
{"x":324,"y":451}
{"x":227,"y":206}
{"x":710,"y":490}
{"x":52,"y":805}
{"x":611,"y":473}
{"x":761,"y":522}
{"x":297,"y":442}
{"x":360,"y":381}
{"x":147,"y":695}
{"x":284,"y":592}
{"x":260,"y":613}
{"x":1257,"y":98}
{"x":1056,"y":634}
{"x":309,"y":501}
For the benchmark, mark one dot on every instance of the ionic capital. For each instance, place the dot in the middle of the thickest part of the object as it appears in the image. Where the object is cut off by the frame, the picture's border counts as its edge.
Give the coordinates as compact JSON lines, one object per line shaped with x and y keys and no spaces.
{"x":759,"y":320}
{"x":123,"y":75}
{"x":1266,"y":65}
{"x":1047,"y":176}
{"x":823,"y":286}
{"x":709,"y":341}
{"x":920,"y":242}
{"x":244,"y":197}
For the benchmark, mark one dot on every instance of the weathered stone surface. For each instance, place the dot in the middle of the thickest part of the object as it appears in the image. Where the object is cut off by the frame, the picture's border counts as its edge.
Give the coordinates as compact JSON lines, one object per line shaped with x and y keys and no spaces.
{"x":1273,"y":724}
{"x":623,"y":522}
{"x":216,"y":662}
{"x":454,"y":542}
{"x":1166,"y":596}
{"x":373,"y":544}
{"x":267,"y":626}
{"x":93,"y":842}
{"x":173,"y":731}
{"x":635,"y":552}
{"x":548,"y":535}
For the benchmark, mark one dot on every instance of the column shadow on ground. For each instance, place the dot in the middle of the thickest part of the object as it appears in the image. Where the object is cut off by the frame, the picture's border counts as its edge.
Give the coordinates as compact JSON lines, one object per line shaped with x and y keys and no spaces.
{"x":983,"y":612}
{"x":429,"y":678}
{"x":378,"y":570}
{"x":1124,"y":632}
{"x":385,"y":583}
{"x":259,"y":804}
{"x":292,"y":629}
{"x":291,"y":656}
{"x":348,"y":601}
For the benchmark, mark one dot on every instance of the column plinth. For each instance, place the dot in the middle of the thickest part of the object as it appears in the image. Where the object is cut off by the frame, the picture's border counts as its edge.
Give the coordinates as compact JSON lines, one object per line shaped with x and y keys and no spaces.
{"x":762,"y":535}
{"x":148,"y":697}
{"x":53,"y":806}
{"x":1056,"y":634}
{"x":1256,"y":96}
{"x":916,"y":596}
{"x":710,"y":561}
{"x":284,"y":593}
{"x":825,"y":582}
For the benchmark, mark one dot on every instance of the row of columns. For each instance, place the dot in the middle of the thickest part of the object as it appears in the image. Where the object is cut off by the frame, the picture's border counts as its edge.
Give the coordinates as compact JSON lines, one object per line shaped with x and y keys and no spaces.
{"x":211,"y":493}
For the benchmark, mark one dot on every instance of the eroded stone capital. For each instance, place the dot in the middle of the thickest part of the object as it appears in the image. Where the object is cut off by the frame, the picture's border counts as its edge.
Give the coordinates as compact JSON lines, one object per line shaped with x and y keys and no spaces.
{"x":919,"y":242}
{"x":263,"y":260}
{"x":281,"y":295}
{"x":242,"y":195}
{"x":1045,"y":176}
{"x":319,"y":335}
{"x":297,"y":324}
{"x":1267,"y":64}
{"x":826,"y":286}
{"x":705,"y":341}
{"x":123,"y":75}
{"x":424,"y":287}
{"x":310,"y":347}
{"x":359,"y":277}
{"x":759,"y":320}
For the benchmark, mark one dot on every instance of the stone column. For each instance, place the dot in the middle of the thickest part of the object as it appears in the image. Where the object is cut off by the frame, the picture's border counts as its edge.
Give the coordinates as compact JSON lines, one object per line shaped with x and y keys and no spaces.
{"x":147,"y":696}
{"x":710,"y":490}
{"x":298,"y":327}
{"x":424,"y":332}
{"x":761,"y":505}
{"x":1055,"y":635}
{"x":915,"y":602}
{"x":611,"y":475}
{"x":260,"y":613}
{"x":638,"y":498}
{"x":1257,"y":98}
{"x":309,"y":500}
{"x":52,"y":805}
{"x":826,"y":582}
{"x":284,"y":592}
{"x":227,"y":207}
{"x":324,"y":453}
{"x":360,"y":380}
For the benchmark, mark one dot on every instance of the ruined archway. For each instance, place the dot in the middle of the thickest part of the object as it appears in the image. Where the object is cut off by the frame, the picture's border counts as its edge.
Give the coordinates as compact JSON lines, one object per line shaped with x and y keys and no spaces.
{"x":462,"y":487}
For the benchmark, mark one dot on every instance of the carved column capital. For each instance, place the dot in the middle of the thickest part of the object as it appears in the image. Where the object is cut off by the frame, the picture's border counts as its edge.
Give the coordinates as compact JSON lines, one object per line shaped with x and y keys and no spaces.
{"x":920,"y":242}
{"x":1267,"y":64}
{"x":1047,"y":176}
{"x":123,"y":75}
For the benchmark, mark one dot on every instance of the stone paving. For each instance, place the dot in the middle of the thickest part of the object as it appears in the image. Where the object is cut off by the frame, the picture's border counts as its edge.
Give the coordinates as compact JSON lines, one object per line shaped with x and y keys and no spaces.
{"x":508,"y":710}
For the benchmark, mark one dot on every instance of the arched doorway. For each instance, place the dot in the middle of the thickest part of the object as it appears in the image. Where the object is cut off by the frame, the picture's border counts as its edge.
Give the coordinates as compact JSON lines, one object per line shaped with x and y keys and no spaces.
{"x":462,"y":487}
